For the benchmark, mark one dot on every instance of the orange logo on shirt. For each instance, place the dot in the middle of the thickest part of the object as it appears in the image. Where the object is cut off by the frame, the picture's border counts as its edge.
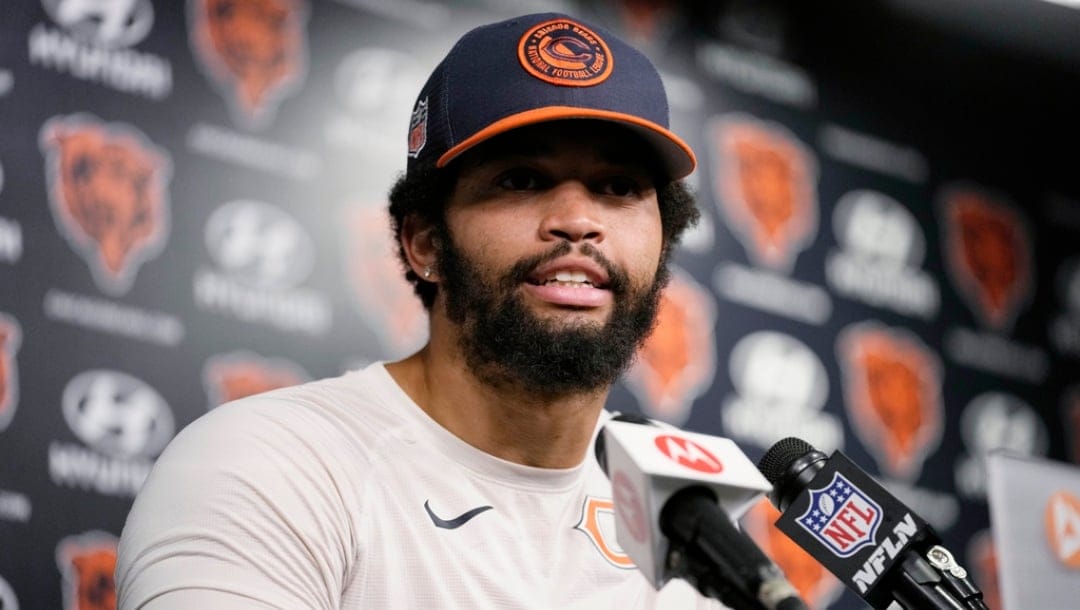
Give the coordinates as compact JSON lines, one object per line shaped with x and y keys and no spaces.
{"x":989,"y":254}
{"x":87,"y":563}
{"x":816,"y":585}
{"x":1062,"y":517}
{"x":564,"y":52}
{"x":107,"y":188}
{"x":766,"y":188}
{"x":677,"y":362}
{"x":893,"y":389}
{"x":254,"y":49}
{"x":598,"y":523}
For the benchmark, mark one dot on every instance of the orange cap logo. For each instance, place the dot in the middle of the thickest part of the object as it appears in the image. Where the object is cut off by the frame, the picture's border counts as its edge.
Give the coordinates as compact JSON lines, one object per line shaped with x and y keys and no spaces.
{"x":564,"y":52}
{"x":988,"y":251}
{"x":107,"y":187}
{"x":893,"y":385}
{"x":1063,"y":528}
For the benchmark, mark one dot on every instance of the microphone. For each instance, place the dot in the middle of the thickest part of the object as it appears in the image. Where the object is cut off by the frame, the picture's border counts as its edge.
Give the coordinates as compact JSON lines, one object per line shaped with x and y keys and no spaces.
{"x":870,"y":540}
{"x":676,"y":495}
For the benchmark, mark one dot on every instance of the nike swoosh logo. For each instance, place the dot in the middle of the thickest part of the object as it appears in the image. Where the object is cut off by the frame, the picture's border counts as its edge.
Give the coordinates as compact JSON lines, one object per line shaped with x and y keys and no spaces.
{"x":456,"y":522}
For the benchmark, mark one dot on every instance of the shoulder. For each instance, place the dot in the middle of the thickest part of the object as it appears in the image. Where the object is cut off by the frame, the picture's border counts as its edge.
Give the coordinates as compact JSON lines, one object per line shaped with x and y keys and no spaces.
{"x":349,"y":413}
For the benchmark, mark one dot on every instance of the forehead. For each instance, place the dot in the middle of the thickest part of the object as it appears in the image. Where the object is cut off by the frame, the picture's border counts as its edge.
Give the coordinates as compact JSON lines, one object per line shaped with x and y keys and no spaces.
{"x":587,"y":140}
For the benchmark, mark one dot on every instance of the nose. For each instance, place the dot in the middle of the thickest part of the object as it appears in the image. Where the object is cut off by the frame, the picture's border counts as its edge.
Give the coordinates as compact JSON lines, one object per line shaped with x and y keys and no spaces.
{"x":572,"y":214}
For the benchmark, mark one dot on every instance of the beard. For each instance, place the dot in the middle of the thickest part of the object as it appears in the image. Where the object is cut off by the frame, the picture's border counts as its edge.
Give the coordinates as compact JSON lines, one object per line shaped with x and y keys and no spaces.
{"x":508,"y":346}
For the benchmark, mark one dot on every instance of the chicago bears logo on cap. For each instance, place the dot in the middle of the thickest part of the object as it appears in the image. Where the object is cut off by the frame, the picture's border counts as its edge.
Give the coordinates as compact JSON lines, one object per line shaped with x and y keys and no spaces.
{"x":564,"y":52}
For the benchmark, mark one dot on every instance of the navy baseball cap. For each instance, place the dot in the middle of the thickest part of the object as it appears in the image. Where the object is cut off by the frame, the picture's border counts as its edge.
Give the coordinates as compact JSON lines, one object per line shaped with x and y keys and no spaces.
{"x":534,"y":69}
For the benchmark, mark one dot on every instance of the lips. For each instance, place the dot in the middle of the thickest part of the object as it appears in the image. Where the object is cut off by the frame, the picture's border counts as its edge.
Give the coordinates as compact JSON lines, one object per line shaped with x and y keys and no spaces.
{"x":573,"y":282}
{"x":570,"y":272}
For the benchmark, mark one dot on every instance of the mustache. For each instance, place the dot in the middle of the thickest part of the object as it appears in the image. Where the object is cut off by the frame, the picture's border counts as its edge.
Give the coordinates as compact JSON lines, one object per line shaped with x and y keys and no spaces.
{"x":618,"y":280}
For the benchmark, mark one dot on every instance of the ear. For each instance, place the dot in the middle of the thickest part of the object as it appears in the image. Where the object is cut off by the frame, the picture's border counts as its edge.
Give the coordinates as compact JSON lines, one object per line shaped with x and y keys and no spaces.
{"x":421,"y":246}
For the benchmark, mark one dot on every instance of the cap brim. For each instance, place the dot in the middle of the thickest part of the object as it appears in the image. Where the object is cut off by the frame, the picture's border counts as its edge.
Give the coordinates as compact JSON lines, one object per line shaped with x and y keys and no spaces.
{"x":678,"y":158}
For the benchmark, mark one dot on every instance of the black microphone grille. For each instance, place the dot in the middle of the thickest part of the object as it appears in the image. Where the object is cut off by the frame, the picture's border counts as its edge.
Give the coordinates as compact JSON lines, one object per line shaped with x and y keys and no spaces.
{"x":778,"y":458}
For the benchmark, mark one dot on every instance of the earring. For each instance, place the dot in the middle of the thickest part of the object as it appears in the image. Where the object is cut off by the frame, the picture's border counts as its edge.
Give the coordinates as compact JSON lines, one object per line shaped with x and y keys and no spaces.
{"x":427,"y":272}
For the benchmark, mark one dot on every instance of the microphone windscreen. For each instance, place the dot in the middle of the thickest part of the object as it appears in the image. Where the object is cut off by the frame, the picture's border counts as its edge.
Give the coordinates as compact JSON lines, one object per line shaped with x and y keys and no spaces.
{"x":776,"y":461}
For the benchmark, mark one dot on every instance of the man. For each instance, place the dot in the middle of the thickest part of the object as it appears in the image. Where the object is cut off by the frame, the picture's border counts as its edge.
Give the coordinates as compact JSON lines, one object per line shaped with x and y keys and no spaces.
{"x":540,"y":204}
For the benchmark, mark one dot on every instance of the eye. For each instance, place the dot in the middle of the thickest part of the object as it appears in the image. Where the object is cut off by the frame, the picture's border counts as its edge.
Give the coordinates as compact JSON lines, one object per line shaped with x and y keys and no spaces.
{"x":520,"y":179}
{"x":620,"y":186}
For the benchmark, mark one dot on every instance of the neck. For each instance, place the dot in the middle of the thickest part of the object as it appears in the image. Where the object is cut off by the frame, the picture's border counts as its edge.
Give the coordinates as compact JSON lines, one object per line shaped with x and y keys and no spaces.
{"x":507,"y":422}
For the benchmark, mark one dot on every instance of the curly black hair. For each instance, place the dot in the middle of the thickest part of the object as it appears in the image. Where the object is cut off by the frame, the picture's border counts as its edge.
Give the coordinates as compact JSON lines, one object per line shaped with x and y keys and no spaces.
{"x":425,"y":190}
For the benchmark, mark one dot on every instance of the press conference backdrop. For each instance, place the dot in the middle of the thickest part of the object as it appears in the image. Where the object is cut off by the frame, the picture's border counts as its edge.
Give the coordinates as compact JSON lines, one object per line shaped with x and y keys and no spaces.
{"x":192,"y":209}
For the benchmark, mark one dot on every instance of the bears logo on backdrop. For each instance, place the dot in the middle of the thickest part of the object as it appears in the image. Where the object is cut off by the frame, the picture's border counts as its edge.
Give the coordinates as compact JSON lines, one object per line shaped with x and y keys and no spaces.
{"x":766,"y":182}
{"x":893,"y":395}
{"x":384,"y":299}
{"x":816,"y":585}
{"x":235,"y":375}
{"x":254,"y":50}
{"x":10,"y":338}
{"x":598,"y":523}
{"x":988,"y":251}
{"x":677,"y":362}
{"x":107,"y":187}
{"x":87,"y":564}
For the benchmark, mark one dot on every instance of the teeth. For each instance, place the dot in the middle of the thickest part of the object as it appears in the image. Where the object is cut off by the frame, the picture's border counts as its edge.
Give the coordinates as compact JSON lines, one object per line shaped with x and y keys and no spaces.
{"x":571,"y":276}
